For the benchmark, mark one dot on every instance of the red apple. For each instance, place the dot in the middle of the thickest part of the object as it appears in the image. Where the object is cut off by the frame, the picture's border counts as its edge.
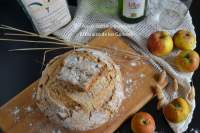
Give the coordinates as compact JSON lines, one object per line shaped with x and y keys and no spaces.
{"x":187,"y":61}
{"x":160,"y":43}
{"x":143,"y":123}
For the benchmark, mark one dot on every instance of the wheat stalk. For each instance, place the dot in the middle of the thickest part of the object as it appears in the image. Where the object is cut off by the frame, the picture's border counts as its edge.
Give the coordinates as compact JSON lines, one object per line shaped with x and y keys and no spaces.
{"x":61,"y":42}
{"x":31,"y":41}
{"x":29,"y":33}
{"x":52,"y":40}
{"x":119,"y":52}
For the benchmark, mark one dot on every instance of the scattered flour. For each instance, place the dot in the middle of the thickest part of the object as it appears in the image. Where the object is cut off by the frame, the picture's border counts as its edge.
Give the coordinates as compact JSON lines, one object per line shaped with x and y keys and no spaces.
{"x":129,"y":81}
{"x":142,"y":75}
{"x":56,"y":130}
{"x":34,"y":95}
{"x":16,"y":111}
{"x":133,"y":64}
{"x":30,"y":124}
{"x":129,"y":87}
{"x":29,"y":109}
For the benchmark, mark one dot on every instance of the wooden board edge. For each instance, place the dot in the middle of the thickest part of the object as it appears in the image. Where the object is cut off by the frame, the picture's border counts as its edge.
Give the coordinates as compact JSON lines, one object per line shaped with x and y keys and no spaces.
{"x":18,"y":95}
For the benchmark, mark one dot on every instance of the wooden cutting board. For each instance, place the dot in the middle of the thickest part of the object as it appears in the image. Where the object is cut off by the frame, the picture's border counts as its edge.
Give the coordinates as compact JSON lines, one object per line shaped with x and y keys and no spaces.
{"x":21,"y":115}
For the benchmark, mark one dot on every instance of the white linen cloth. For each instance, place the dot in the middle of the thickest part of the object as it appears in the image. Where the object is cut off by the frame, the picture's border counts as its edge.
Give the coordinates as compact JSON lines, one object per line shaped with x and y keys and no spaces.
{"x":87,"y":18}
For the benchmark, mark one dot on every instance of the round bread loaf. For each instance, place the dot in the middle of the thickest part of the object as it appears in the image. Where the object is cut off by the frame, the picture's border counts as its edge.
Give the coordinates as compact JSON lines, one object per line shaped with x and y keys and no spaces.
{"x":81,"y":89}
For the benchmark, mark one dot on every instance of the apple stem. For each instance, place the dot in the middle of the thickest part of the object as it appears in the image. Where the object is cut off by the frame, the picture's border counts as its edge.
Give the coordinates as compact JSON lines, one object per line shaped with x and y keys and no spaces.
{"x":161,"y":37}
{"x":177,"y":105}
{"x":187,"y":34}
{"x":187,"y":56}
{"x":145,"y":122}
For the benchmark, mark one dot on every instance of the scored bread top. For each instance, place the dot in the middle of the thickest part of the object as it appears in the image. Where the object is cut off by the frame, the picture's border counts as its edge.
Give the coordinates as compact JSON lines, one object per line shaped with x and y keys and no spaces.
{"x":80,"y":89}
{"x":82,"y":69}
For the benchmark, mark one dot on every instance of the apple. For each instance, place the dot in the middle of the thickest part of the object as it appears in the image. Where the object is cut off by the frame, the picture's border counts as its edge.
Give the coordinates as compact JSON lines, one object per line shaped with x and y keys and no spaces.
{"x":177,"y":110}
{"x":187,"y":61}
{"x":143,"y":123}
{"x":160,"y":43}
{"x":184,"y":40}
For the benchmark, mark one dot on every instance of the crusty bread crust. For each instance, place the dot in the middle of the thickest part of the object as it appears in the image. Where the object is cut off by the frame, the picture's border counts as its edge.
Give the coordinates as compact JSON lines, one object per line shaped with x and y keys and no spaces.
{"x":80,"y":89}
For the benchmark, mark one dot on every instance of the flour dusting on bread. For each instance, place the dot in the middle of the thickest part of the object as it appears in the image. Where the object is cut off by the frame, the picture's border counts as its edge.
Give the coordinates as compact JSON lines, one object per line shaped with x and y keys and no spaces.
{"x":81,"y":89}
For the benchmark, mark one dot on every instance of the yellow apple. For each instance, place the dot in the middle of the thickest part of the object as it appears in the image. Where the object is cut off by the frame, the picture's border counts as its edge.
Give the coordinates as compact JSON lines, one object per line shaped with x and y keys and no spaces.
{"x":184,"y":40}
{"x":177,"y":111}
{"x":187,"y":61}
{"x":160,"y":43}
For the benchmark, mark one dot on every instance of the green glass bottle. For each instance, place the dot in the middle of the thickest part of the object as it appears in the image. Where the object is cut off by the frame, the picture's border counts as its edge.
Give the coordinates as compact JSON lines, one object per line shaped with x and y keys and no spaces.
{"x":132,"y":11}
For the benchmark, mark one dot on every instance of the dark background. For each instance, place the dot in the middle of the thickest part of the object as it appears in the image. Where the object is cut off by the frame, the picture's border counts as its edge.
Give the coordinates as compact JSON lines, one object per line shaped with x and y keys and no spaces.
{"x":19,"y":69}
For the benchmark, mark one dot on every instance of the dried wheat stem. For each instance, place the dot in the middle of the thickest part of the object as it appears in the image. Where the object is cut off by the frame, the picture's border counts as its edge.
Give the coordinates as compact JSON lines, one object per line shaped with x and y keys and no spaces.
{"x":159,"y":91}
{"x":29,"y":33}
{"x":30,"y":41}
{"x":161,"y":98}
{"x":191,"y":94}
{"x":15,"y":29}
{"x":61,"y":42}
{"x":162,"y":77}
{"x":82,"y":46}
{"x":118,"y":50}
{"x":39,"y":49}
{"x":160,"y":104}
{"x":162,"y":83}
{"x":160,"y":95}
{"x":44,"y":58}
{"x":175,"y":85}
{"x":47,"y":37}
{"x":21,"y":34}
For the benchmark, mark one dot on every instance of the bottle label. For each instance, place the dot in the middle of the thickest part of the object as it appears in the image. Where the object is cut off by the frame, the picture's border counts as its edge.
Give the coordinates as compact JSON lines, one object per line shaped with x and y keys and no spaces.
{"x":47,"y":15}
{"x":133,"y":8}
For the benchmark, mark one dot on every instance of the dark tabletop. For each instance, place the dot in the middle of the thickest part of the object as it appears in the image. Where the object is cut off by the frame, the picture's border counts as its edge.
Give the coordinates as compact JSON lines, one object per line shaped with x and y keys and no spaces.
{"x":19,"y":69}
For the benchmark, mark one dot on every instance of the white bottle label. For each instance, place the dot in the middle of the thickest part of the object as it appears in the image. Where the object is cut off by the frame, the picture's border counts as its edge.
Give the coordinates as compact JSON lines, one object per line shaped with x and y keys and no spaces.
{"x":133,"y":8}
{"x":48,"y":15}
